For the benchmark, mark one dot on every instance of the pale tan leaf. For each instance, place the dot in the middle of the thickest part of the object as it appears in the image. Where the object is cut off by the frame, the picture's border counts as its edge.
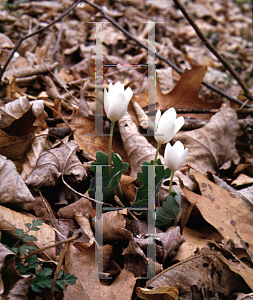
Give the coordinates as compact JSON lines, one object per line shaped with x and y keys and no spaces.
{"x":233,"y":221}
{"x":136,"y":145}
{"x":52,"y":163}
{"x":214,"y":144}
{"x":11,"y":220}
{"x":13,"y":111}
{"x":34,"y":153}
{"x":19,"y":121}
{"x":206,"y":271}
{"x":12,"y":186}
{"x":87,"y":287}
{"x":142,"y":117}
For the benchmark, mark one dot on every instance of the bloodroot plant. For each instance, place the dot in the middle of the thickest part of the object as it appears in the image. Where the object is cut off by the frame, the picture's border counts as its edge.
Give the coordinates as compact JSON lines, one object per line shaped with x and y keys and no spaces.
{"x":116,"y":101}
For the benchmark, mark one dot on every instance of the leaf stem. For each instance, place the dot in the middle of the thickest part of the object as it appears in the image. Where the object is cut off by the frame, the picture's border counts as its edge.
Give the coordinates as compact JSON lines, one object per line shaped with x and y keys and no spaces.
{"x":171,"y":180}
{"x":110,"y":149}
{"x":157,"y":151}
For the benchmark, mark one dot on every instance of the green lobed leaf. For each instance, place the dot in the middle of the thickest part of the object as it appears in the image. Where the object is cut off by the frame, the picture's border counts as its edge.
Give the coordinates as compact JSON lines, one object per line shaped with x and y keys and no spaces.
{"x":109,"y":184}
{"x":169,"y":210}
{"x":19,"y":232}
{"x":144,"y":192}
{"x":32,"y":262}
{"x":26,"y":238}
{"x":42,"y":280}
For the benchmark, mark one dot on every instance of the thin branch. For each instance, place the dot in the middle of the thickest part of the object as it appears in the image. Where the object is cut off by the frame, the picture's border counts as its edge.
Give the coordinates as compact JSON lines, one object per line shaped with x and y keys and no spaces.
{"x":51,"y":246}
{"x":23,"y":38}
{"x":205,"y":41}
{"x":162,"y":58}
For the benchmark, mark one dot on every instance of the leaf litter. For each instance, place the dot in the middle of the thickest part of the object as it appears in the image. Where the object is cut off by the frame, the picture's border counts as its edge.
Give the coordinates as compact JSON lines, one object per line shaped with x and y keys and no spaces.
{"x":211,"y":244}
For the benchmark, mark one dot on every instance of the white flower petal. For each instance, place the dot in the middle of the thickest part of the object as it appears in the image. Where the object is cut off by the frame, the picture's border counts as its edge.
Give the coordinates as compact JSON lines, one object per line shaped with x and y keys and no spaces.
{"x":178,"y":124}
{"x":128,"y":94}
{"x":157,"y":118}
{"x":106,"y":101}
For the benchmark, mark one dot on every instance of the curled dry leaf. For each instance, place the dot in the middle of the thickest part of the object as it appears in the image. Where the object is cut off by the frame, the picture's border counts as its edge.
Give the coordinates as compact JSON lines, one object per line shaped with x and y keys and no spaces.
{"x":11,"y":220}
{"x":16,"y":285}
{"x":52,"y":163}
{"x":158,"y":293}
{"x":136,"y":145}
{"x":136,"y":260}
{"x":113,"y":222}
{"x":12,"y":186}
{"x":19,"y":121}
{"x":214,"y":144}
{"x":33,"y":154}
{"x":142,"y":117}
{"x":4,"y":252}
{"x":206,"y":271}
{"x":83,"y":206}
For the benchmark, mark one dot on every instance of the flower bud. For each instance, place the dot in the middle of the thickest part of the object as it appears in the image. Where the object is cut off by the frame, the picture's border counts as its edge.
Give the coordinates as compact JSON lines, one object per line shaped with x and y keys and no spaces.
{"x":175,"y":156}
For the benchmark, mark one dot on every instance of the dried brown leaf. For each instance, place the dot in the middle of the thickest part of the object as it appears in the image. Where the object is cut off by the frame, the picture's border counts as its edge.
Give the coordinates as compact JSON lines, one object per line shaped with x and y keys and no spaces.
{"x":206,"y":271}
{"x":214,"y":144}
{"x":16,"y":285}
{"x":83,"y":206}
{"x":11,"y":220}
{"x":18,"y":123}
{"x":12,"y":186}
{"x":233,"y":221}
{"x":84,"y":135}
{"x":87,"y":287}
{"x":52,"y":163}
{"x":136,"y":145}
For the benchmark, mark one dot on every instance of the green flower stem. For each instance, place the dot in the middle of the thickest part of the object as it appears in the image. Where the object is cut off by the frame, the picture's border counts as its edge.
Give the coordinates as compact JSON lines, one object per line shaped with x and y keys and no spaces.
{"x":110,"y":149}
{"x":156,"y":154}
{"x":171,"y":180}
{"x":117,"y":190}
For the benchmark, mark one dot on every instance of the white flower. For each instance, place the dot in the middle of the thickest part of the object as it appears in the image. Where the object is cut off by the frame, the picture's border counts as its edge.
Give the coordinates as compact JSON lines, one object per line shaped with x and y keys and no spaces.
{"x":175,"y":155}
{"x":116,"y":101}
{"x":167,"y":125}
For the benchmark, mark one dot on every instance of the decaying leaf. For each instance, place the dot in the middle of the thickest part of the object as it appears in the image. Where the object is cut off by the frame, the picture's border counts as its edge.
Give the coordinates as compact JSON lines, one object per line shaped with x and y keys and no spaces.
{"x":136,"y":145}
{"x":15,"y":285}
{"x":214,"y":144}
{"x":84,"y":135}
{"x":34,"y":153}
{"x":52,"y":163}
{"x":18,"y":124}
{"x":233,"y":221}
{"x":206,"y":271}
{"x":158,"y":293}
{"x":4,"y":252}
{"x":83,"y":206}
{"x":88,"y":287}
{"x":142,"y":117}
{"x":12,"y":186}
{"x":11,"y":220}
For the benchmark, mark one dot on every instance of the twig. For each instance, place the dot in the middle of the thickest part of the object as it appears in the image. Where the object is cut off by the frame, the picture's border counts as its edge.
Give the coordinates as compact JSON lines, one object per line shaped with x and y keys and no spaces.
{"x":191,"y":124}
{"x":167,"y":61}
{"x":214,"y":51}
{"x":51,"y":246}
{"x":209,"y":111}
{"x":23,"y":38}
{"x":58,"y":268}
